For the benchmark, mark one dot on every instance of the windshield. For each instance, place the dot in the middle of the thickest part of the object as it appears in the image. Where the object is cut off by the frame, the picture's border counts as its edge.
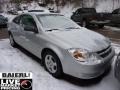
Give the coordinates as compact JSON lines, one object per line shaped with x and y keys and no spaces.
{"x":57,"y":22}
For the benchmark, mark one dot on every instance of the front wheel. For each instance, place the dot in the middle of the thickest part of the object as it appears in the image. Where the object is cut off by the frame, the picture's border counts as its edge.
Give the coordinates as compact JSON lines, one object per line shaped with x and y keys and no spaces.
{"x":52,"y":64}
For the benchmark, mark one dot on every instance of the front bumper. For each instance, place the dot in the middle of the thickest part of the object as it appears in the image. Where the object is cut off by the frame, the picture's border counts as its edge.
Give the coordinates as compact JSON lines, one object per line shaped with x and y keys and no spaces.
{"x":82,"y":71}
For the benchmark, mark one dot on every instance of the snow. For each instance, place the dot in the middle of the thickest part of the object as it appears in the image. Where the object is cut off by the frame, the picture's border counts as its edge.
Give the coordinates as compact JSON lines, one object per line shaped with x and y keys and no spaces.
{"x":112,"y":28}
{"x":117,"y":47}
{"x":13,"y":60}
{"x":68,"y":10}
{"x":9,"y":16}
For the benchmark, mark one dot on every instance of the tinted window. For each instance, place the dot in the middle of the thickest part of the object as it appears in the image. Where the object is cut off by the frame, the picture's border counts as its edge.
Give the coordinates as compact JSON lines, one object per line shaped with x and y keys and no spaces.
{"x":116,"y":11}
{"x":36,"y":11}
{"x":27,"y":20}
{"x":17,"y":20}
{"x":87,"y":10}
{"x":77,"y":12}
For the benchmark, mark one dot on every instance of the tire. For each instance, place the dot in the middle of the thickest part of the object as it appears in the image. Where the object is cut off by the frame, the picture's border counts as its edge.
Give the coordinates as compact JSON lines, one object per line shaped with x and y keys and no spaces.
{"x":12,"y":41}
{"x":84,"y":23}
{"x":100,"y":26}
{"x":52,"y":64}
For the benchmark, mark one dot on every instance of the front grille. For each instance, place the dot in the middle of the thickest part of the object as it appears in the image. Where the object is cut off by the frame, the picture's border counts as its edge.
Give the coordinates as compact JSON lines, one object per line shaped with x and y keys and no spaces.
{"x":105,"y":52}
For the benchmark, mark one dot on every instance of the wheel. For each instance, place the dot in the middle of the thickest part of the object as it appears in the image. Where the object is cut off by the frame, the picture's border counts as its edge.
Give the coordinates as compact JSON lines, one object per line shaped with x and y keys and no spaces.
{"x":100,"y":26}
{"x":12,"y":41}
{"x":84,"y":24}
{"x":52,"y":64}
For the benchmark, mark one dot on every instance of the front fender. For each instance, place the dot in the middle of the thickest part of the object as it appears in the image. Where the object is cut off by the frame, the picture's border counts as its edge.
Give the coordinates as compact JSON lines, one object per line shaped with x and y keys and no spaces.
{"x":57,"y":50}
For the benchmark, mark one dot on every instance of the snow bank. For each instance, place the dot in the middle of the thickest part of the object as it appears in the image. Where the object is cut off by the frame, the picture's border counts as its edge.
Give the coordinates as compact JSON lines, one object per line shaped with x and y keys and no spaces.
{"x":112,"y":28}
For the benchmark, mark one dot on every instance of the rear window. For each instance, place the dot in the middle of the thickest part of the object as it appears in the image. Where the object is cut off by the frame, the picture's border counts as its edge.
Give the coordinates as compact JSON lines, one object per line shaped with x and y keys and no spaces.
{"x":117,"y":11}
{"x":36,"y":11}
{"x":87,"y":10}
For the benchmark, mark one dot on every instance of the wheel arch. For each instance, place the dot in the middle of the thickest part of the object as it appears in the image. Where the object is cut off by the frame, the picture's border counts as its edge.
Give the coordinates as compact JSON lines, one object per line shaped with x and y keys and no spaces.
{"x":55,"y":51}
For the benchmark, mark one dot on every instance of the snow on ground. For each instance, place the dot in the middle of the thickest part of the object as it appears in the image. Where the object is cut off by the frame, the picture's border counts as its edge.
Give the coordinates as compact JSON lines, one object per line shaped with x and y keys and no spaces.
{"x":13,"y":60}
{"x":117,"y":47}
{"x":112,"y":28}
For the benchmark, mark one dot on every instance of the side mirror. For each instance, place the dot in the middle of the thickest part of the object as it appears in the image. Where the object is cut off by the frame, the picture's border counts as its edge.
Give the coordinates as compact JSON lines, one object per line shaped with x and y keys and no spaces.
{"x":30,"y":28}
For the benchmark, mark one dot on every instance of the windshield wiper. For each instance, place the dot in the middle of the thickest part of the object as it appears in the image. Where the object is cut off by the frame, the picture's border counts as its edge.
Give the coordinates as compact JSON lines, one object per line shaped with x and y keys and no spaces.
{"x":72,"y":28}
{"x":52,"y":29}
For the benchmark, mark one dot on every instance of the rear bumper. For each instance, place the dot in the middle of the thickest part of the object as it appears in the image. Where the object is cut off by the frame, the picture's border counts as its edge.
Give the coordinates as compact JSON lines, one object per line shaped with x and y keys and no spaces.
{"x":99,"y":22}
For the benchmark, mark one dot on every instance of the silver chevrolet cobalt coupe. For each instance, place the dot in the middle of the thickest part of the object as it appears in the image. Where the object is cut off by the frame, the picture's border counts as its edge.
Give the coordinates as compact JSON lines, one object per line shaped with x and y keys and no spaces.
{"x":62,"y":45}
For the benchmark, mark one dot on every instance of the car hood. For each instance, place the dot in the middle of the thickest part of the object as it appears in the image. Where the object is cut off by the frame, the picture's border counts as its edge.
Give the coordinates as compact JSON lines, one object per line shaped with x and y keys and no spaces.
{"x":83,"y":38}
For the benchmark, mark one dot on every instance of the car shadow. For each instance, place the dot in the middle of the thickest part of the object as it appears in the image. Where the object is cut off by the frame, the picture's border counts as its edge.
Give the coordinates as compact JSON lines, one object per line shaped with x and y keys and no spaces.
{"x":29,"y":54}
{"x":85,"y":82}
{"x":68,"y":78}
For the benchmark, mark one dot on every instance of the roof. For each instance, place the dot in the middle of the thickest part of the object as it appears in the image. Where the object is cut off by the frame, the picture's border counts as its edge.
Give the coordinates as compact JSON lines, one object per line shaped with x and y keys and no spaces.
{"x":42,"y":13}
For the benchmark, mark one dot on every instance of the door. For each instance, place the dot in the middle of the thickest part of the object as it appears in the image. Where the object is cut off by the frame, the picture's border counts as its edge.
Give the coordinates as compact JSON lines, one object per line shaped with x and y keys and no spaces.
{"x":31,"y":37}
{"x":17,"y":31}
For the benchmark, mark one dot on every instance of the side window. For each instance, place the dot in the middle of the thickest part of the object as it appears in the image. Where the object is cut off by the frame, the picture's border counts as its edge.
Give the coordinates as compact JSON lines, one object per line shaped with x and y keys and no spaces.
{"x":78,"y":12}
{"x":115,"y":11}
{"x":17,"y":20}
{"x":28,"y":22}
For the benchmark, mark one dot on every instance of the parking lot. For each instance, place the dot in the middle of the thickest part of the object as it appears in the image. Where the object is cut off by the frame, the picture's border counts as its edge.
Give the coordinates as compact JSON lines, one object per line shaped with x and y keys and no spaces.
{"x":19,"y":60}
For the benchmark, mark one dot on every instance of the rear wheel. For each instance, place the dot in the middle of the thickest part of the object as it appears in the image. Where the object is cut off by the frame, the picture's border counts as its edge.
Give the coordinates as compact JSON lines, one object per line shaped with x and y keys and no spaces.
{"x":52,"y":64}
{"x":84,"y":23}
{"x":100,"y":26}
{"x":12,"y":41}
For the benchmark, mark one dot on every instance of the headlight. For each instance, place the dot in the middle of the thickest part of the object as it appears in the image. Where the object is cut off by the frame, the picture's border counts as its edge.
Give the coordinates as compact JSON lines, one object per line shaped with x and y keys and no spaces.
{"x":84,"y":56}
